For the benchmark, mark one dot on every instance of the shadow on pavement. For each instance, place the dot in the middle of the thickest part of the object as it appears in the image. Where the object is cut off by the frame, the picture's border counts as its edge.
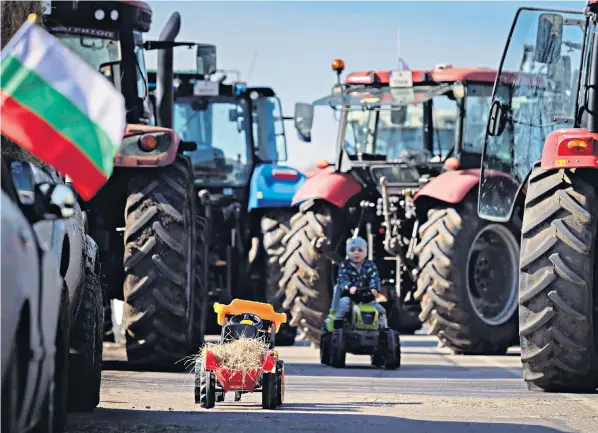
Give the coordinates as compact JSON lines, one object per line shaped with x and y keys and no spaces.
{"x":310,"y":418}
{"x":407,"y":370}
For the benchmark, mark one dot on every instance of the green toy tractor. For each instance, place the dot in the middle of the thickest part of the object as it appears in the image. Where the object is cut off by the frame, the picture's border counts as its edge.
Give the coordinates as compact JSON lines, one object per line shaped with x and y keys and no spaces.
{"x":358,"y":333}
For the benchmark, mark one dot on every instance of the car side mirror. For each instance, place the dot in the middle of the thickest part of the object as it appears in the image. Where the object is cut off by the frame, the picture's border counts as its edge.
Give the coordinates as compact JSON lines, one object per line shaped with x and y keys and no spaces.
{"x":56,"y":201}
{"x":304,"y":117}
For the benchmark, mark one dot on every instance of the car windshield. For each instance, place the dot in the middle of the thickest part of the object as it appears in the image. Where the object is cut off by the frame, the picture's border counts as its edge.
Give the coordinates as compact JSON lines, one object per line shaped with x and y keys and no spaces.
{"x":223,"y":156}
{"x":386,"y":121}
{"x":96,"y":47}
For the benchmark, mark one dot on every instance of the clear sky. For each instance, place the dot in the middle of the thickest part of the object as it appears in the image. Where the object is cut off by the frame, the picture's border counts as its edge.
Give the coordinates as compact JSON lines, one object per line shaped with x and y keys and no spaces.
{"x":295,"y":43}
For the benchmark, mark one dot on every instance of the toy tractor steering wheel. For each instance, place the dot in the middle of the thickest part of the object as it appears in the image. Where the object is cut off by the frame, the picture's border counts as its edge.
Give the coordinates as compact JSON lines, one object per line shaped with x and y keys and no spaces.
{"x":246,"y":319}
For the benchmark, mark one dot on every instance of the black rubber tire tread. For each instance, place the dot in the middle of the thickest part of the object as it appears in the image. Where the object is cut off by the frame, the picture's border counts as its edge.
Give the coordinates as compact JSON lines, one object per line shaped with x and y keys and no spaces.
{"x":441,"y":283}
{"x":338,"y":349}
{"x":158,"y":314}
{"x":275,"y":225}
{"x":85,"y":371}
{"x":207,"y":389}
{"x":393,"y":360}
{"x":557,"y":303}
{"x":279,"y":382}
{"x":325,"y":347}
{"x":307,"y":276}
{"x":269,"y":392}
{"x":201,"y":286}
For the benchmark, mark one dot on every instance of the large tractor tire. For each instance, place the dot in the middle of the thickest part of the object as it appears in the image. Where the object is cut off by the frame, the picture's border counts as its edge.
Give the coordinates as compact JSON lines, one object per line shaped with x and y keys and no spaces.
{"x":159,"y":264}
{"x":467,"y":281}
{"x":274,"y":227}
{"x":558,"y":303}
{"x":307,"y":276}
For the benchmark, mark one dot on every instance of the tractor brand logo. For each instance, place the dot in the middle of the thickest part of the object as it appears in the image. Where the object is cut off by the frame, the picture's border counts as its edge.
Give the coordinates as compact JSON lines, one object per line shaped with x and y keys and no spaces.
{"x":107,"y":34}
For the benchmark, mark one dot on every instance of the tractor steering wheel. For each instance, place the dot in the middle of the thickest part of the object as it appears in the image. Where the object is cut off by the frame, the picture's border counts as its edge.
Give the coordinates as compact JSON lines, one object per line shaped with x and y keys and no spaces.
{"x":246,"y":319}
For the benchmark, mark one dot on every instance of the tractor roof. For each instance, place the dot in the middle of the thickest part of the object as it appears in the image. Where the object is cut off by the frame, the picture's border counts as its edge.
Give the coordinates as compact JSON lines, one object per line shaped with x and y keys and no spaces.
{"x":439,"y":75}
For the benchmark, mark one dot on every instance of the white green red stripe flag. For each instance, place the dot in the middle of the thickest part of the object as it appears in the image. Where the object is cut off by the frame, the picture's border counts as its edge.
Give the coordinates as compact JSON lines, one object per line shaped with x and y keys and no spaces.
{"x":59,"y":108}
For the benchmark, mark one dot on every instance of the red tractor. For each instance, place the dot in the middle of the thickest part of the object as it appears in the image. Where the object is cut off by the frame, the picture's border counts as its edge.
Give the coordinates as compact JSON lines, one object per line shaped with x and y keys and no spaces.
{"x":539,"y":165}
{"x":409,"y":148}
{"x":143,"y":217}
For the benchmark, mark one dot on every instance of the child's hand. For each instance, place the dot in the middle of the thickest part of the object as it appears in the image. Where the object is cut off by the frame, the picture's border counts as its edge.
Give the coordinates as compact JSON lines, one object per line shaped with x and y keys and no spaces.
{"x":374,"y":292}
{"x":352,"y":290}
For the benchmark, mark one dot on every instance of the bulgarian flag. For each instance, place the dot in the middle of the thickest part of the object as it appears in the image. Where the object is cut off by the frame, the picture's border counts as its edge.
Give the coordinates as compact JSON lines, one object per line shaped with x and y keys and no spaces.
{"x":59,"y":108}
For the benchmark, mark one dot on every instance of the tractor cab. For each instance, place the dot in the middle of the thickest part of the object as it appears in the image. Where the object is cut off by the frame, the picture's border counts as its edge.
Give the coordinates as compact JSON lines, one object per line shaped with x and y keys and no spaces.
{"x":108,"y":36}
{"x":536,"y":93}
{"x":406,"y":126}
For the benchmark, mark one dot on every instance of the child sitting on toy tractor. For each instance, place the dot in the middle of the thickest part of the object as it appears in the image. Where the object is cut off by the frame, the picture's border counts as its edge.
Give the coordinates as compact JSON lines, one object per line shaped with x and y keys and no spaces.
{"x":244,"y":359}
{"x":356,"y":322}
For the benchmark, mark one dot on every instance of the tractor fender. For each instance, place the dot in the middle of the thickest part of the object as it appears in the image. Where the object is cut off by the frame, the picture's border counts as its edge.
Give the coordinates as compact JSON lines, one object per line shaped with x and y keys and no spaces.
{"x":451,"y":186}
{"x":273,"y":185}
{"x":328,"y":185}
{"x":556,"y":155}
{"x":130,"y":155}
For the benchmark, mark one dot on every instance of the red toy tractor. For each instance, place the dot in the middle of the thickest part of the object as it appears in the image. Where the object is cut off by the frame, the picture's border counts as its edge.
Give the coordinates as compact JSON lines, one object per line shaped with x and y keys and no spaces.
{"x":405,"y":178}
{"x":543,"y":134}
{"x":251,"y":320}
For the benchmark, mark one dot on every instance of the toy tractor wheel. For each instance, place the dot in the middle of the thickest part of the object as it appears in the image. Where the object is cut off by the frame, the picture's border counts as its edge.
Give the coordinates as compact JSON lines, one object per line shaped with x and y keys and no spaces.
{"x":275,"y":226}
{"x":325,"y":347}
{"x":557,"y":300}
{"x":205,"y":387}
{"x":467,"y":284}
{"x":238,"y":395}
{"x":338,"y":348}
{"x":392,"y":356}
{"x":308,"y":276}
{"x":269,"y":391}
{"x":280,"y":379}
{"x":159,"y":264}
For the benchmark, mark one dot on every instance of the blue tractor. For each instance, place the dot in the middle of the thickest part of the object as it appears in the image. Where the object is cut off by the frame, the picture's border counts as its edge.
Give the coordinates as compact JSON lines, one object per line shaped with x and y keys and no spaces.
{"x":244,"y":191}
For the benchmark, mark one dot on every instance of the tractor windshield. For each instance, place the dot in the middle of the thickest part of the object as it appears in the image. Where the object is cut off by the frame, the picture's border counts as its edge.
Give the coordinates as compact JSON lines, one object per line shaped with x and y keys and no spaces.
{"x":268,"y":129}
{"x":223,"y":155}
{"x":537,"y":89}
{"x":98,"y":48}
{"x":385,"y":121}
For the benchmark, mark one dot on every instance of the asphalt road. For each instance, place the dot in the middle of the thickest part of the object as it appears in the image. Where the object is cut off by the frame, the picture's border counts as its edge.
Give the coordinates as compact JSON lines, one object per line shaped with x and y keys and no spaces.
{"x":432,"y":392}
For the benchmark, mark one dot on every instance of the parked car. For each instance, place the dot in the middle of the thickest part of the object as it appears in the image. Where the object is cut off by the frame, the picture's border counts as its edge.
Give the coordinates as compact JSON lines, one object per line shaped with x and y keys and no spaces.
{"x":34,"y":306}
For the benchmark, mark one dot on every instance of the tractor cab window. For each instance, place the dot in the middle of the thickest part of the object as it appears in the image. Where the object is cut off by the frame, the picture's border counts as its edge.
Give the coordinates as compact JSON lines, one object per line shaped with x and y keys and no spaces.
{"x":96,"y":47}
{"x":477,"y":107}
{"x":268,"y":129}
{"x":537,"y":90}
{"x":218,"y":126}
{"x":142,"y":81}
{"x":385,"y":121}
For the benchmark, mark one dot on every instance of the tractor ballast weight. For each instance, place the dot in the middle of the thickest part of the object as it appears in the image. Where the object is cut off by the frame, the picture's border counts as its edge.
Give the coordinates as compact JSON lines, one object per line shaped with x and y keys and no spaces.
{"x":553,"y":189}
{"x":142,"y":218}
{"x":410,"y":205}
{"x":245,"y":201}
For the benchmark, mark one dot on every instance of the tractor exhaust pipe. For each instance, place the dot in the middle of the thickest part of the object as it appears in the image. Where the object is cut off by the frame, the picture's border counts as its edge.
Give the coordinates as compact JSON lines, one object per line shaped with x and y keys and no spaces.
{"x":165,"y":73}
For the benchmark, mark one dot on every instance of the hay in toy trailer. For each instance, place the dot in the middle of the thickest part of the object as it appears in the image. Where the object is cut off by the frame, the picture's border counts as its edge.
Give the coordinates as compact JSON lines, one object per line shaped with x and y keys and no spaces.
{"x":243,"y":360}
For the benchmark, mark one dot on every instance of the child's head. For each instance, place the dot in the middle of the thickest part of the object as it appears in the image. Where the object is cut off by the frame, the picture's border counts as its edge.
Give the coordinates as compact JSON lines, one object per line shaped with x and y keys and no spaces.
{"x":357,"y":249}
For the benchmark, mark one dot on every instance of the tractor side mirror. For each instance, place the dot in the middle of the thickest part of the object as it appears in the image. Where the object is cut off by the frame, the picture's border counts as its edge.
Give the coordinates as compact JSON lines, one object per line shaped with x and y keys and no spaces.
{"x":398,"y":116}
{"x":496,"y":119}
{"x":549,"y":38}
{"x":304,"y":117}
{"x":206,"y":59}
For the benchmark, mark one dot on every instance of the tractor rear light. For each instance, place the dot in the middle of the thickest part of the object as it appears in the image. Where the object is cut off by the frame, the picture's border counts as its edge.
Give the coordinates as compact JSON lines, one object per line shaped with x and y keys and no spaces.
{"x":451,"y":164}
{"x":284,"y":174}
{"x":148,"y":142}
{"x":576,"y":146}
